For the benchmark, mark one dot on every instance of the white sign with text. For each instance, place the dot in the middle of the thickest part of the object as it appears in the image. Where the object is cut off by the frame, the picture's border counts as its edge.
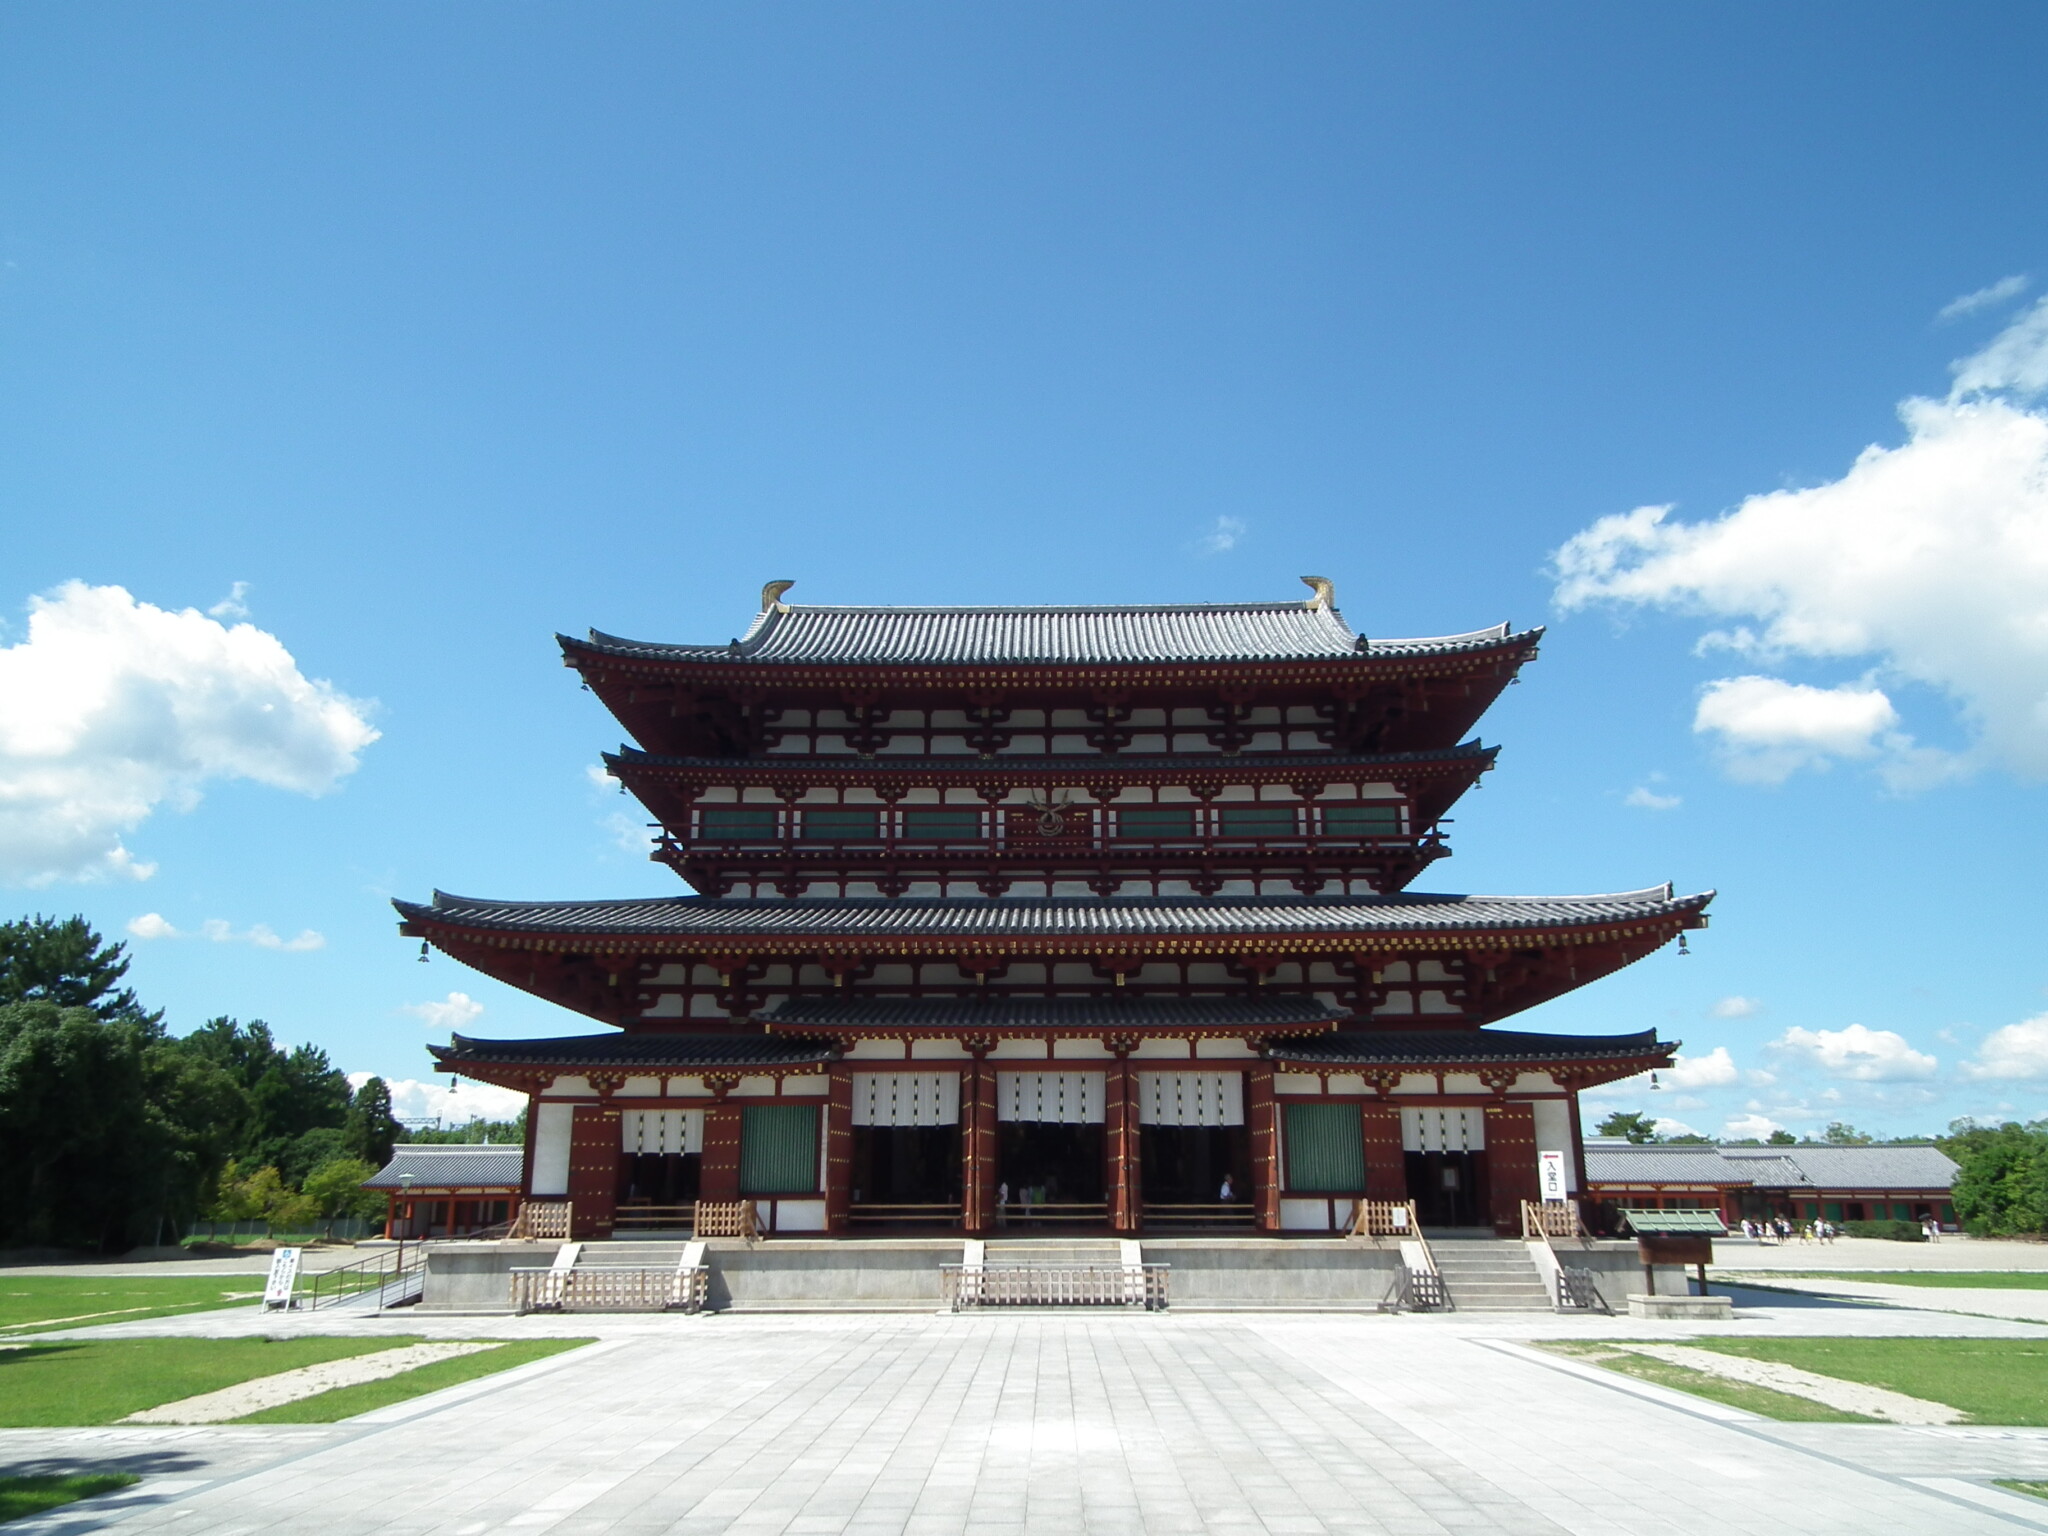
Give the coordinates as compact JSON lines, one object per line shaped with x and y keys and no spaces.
{"x":284,"y":1277}
{"x":1550,"y":1175}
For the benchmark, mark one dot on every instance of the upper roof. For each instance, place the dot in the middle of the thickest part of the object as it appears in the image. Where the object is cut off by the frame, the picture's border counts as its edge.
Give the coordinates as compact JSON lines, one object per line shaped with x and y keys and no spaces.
{"x":1393,"y":1047}
{"x":648,"y":1051}
{"x":710,"y":917}
{"x":1793,"y":1167}
{"x":451,"y":1165}
{"x":1070,"y":766}
{"x":1222,"y":632}
{"x":1265,"y":1011}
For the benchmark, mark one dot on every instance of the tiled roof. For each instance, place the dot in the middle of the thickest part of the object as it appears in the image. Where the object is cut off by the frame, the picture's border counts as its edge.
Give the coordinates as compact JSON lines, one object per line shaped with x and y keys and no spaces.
{"x":453,"y":1165}
{"x":1675,"y":1223}
{"x":1794,"y":1167}
{"x":1091,"y":1013}
{"x":1074,"y":769}
{"x":639,"y":1051}
{"x":711,"y":917}
{"x":1393,"y":1047}
{"x":1288,"y":631}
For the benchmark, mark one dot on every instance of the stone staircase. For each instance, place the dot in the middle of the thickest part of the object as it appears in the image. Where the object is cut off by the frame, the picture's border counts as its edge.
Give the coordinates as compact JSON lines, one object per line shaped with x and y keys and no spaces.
{"x":1056,"y":1250}
{"x":1488,"y":1274}
{"x":631,"y":1253}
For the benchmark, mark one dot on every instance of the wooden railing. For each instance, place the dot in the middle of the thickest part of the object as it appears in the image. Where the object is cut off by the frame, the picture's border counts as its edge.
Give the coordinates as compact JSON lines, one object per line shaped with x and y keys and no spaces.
{"x":1215,"y":1214}
{"x":611,"y":1288}
{"x":1053,"y":1285}
{"x":1416,"y":1290}
{"x":1062,"y":1213}
{"x":726,"y":1218}
{"x":1551,"y":1218}
{"x":874,"y":1214}
{"x":654,"y":1218}
{"x":1386,"y":1218}
{"x":541,"y":1219}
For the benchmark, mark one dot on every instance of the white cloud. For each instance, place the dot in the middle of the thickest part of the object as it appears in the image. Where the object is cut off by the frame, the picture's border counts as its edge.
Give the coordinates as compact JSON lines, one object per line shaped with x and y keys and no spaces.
{"x":1736,"y":1007}
{"x":111,"y":707}
{"x":1668,"y":1127}
{"x":1928,"y":559}
{"x":1716,"y":1069}
{"x":600,"y":777}
{"x":1645,"y":798}
{"x":414,"y":1100}
{"x":2015,"y":1051}
{"x":1859,"y":1054}
{"x":456,"y":1011}
{"x":1985,"y":298}
{"x":1222,"y":538}
{"x":232,"y":606}
{"x":153,"y":925}
{"x":629,"y":835}
{"x":1770,"y":729}
{"x":1750,"y":1127}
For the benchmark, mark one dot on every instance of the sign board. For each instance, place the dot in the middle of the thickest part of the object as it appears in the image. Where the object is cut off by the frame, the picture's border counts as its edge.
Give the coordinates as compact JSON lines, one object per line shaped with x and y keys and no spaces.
{"x":1550,"y":1176}
{"x":284,"y":1277}
{"x":1398,"y":1218}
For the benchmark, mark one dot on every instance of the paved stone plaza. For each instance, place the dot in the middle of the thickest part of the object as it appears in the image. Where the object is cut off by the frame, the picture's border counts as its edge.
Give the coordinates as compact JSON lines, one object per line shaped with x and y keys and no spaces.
{"x":1059,"y":1424}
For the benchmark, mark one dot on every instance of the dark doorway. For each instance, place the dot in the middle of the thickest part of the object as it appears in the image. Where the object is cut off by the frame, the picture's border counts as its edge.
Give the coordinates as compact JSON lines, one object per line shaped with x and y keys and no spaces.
{"x":905,"y":1175}
{"x":1448,"y":1188}
{"x":1182,"y":1168}
{"x":658,"y":1178}
{"x":1055,"y":1173}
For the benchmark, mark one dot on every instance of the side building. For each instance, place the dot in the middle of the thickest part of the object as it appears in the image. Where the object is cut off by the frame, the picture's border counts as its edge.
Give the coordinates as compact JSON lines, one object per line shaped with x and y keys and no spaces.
{"x":1800,"y":1183}
{"x":1051,"y":918}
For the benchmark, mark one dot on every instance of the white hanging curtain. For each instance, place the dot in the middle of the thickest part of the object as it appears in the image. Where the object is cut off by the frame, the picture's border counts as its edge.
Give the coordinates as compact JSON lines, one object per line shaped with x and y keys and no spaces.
{"x":1050,"y":1098}
{"x":906,"y":1098}
{"x":1443,"y":1130}
{"x":1191,"y":1098}
{"x":662,"y":1132}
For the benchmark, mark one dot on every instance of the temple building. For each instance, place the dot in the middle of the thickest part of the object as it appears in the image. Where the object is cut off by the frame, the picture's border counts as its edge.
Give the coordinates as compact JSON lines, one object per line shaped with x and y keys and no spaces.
{"x":1051,"y":919}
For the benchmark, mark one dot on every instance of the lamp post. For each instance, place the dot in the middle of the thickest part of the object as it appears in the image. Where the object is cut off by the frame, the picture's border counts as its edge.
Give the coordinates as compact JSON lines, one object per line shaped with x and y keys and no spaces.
{"x":405,"y":1197}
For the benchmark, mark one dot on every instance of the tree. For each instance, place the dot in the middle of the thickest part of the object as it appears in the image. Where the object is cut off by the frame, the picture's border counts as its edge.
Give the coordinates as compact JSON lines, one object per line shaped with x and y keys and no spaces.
{"x":43,"y":960}
{"x":335,"y":1189}
{"x":499,"y":1133}
{"x":288,"y":1093}
{"x":1840,"y":1134}
{"x":1632,"y":1124}
{"x":2001,"y":1187}
{"x":1782,"y":1139}
{"x":370,"y":1129}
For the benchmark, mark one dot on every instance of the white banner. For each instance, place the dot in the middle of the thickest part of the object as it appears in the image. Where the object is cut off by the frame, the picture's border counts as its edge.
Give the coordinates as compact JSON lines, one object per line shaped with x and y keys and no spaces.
{"x":661,"y":1132}
{"x":1191,"y":1098}
{"x":1050,"y":1098}
{"x":1550,"y":1175}
{"x":906,"y":1098}
{"x":1460,"y":1129}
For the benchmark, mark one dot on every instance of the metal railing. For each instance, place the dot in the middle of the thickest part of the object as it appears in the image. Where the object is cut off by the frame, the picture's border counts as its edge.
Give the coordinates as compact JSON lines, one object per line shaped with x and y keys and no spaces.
{"x":1578,"y":1291}
{"x":1416,"y":1290}
{"x":1193,"y":1215}
{"x":875,"y":1214}
{"x":396,"y":1275}
{"x":965,"y":1286}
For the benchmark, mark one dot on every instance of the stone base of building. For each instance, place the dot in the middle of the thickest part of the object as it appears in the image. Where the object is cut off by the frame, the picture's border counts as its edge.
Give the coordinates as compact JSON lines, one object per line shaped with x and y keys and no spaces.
{"x":1681,"y":1309}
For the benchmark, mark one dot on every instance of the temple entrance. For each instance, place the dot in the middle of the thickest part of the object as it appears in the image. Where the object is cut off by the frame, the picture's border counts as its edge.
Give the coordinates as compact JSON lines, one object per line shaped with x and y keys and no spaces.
{"x":658,"y":1178}
{"x":660,"y":1163}
{"x":1448,"y":1188}
{"x":1192,"y":1140}
{"x":1050,"y":1150}
{"x":906,"y":1163}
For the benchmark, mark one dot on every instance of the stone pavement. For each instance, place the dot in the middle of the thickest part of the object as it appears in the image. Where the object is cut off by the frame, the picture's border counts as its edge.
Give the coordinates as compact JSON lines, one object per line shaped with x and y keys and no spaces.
{"x":1063,"y":1423}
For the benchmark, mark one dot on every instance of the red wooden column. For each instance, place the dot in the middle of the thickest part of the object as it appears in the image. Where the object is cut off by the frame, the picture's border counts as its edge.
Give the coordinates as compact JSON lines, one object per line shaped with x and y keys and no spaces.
{"x":1510,"y":1163}
{"x":978,"y":1146}
{"x":718,"y":1177}
{"x":838,"y":1149}
{"x":1386,"y":1165}
{"x":1263,"y":1114}
{"x":594,"y":1152}
{"x":1120,"y":1143}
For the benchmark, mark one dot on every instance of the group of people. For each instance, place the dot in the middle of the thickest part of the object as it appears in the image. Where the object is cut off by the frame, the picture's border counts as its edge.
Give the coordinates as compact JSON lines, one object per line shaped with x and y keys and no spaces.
{"x":1778,"y":1229}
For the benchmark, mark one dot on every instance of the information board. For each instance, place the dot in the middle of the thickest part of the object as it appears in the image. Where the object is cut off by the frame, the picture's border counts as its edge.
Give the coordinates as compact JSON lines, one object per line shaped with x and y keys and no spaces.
{"x":284,"y":1277}
{"x":1550,"y":1175}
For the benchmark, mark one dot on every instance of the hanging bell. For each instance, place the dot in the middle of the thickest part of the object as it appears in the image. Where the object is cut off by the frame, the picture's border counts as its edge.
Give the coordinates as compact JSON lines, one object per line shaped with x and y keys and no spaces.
{"x":423,"y":951}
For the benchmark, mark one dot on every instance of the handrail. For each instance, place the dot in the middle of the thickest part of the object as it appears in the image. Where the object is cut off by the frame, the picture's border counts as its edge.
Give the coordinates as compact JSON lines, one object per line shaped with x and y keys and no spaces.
{"x":379,"y":1272}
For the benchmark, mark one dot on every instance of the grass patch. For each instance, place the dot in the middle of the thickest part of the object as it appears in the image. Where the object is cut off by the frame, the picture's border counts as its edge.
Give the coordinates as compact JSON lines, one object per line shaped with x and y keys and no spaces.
{"x":347,"y":1402}
{"x":1735,"y":1394}
{"x":96,"y":1381}
{"x":21,"y":1496}
{"x":1962,"y":1279}
{"x":1993,"y":1381}
{"x":2021,"y":1485}
{"x":48,"y":1301}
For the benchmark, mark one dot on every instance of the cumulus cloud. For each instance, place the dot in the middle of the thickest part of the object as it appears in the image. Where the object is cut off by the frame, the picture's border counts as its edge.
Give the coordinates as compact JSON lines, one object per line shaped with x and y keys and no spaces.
{"x":153,"y":925}
{"x":416,"y":1101}
{"x":112,"y":707}
{"x":458,"y":1010}
{"x":1222,"y":538}
{"x":1985,"y":298}
{"x":1858,"y":1054}
{"x":2018,"y":1051}
{"x":1735,"y":1007}
{"x":1750,"y":1127}
{"x":1686,"y":1074}
{"x":232,"y":606}
{"x":1645,"y":798}
{"x":1925,"y":563}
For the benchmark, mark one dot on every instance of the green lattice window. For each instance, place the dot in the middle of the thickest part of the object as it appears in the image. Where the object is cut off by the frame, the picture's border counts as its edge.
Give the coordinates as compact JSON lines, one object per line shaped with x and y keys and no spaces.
{"x":779,"y":1149}
{"x":1255,"y":820}
{"x":1156,"y":821}
{"x":1364,"y":820}
{"x":840,"y":824}
{"x":941,"y":825}
{"x":1325,"y":1148}
{"x":737,"y":823}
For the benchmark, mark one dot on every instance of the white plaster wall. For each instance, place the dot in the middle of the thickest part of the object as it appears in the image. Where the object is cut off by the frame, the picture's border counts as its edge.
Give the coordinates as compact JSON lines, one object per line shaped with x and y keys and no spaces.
{"x":551,"y":1149}
{"x":1554,"y":1134}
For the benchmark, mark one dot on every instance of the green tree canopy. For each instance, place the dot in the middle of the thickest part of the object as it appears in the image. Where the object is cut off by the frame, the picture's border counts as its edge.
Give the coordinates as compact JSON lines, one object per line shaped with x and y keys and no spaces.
{"x":370,"y":1129}
{"x":1630,"y":1123}
{"x":2001,"y":1187}
{"x":45,"y":960}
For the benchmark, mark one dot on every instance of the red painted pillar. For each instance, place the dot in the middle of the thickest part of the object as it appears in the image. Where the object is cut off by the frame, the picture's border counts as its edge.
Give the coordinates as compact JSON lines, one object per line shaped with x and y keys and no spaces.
{"x":978,"y":1147}
{"x":719,"y":1173}
{"x":838,"y":1150}
{"x":1511,"y":1172}
{"x":1386,"y":1165}
{"x":594,"y":1152}
{"x":1120,"y":1142}
{"x":1263,"y":1114}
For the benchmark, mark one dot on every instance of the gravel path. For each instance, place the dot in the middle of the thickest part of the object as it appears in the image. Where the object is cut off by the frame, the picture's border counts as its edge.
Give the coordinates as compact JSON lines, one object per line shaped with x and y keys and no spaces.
{"x":249,"y":1397}
{"x":1845,"y":1396}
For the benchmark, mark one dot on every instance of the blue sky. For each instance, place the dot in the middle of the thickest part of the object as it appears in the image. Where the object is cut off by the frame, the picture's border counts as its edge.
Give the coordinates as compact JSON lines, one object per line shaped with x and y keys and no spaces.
{"x":405,"y":337}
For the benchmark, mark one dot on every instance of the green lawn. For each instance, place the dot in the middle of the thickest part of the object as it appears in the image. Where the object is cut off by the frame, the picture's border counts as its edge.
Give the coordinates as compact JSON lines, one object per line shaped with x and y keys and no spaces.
{"x":48,"y":1301}
{"x":1994,"y":1381}
{"x":1736,"y":1394}
{"x":1962,"y":1279}
{"x":21,"y":1496}
{"x":96,"y":1381}
{"x":347,"y":1402}
{"x":2019,"y":1485}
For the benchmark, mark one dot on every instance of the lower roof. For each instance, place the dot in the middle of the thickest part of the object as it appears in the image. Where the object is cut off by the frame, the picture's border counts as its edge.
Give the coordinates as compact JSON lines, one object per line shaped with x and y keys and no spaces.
{"x":450,"y":1165}
{"x":1103,"y":1013}
{"x":1402,"y":1047}
{"x":642,"y":1052}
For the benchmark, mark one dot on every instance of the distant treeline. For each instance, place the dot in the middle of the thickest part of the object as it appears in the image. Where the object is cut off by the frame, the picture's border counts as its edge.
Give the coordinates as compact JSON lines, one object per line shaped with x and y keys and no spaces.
{"x":116,"y":1133}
